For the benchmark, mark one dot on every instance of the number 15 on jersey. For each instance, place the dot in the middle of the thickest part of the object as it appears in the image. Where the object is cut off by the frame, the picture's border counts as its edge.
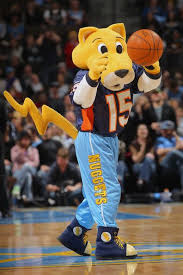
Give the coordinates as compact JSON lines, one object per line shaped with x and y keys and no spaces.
{"x":125,"y":105}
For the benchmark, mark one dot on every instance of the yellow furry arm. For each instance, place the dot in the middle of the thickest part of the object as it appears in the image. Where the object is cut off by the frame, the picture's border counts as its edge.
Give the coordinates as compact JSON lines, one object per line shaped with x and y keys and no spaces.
{"x":153,"y":69}
{"x":96,"y":66}
{"x":41,"y":120}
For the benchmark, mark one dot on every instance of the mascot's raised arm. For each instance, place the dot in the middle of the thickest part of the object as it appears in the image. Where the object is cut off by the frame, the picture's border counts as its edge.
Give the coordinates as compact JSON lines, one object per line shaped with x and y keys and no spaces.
{"x":102,"y":95}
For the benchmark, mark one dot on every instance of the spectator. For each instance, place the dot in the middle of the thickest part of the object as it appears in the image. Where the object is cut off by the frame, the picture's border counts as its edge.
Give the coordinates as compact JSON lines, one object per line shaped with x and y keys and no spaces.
{"x":48,"y":149}
{"x":26,"y":77}
{"x":63,"y":87}
{"x":136,"y":117}
{"x":16,"y":125}
{"x":15,"y":9}
{"x":157,"y":13}
{"x":70,"y":116}
{"x":64,"y":180}
{"x":15,"y":49}
{"x":55,"y":101}
{"x":141,"y":103}
{"x":41,"y":98}
{"x":57,"y":134}
{"x":17,"y":65}
{"x":3,"y":27}
{"x":174,"y":92}
{"x":150,"y":22}
{"x":56,"y":16}
{"x":47,"y":43}
{"x":174,"y":103}
{"x":31,"y":53}
{"x":143,"y":159}
{"x":76,"y":15}
{"x":4,"y":204}
{"x":171,"y":7}
{"x":179,"y":116}
{"x":35,"y":85}
{"x":13,"y":82}
{"x":39,"y":2}
{"x":15,"y":28}
{"x":9,"y":143}
{"x":67,"y":141}
{"x":165,"y":84}
{"x":169,"y":149}
{"x":67,"y":104}
{"x":158,"y":111}
{"x":4,"y":53}
{"x":32,"y":14}
{"x":2,"y":80}
{"x":181,"y":18}
{"x":69,"y":46}
{"x":36,"y":140}
{"x":175,"y":50}
{"x":172,"y":22}
{"x":179,"y":78}
{"x":62,"y":69}
{"x":25,"y":160}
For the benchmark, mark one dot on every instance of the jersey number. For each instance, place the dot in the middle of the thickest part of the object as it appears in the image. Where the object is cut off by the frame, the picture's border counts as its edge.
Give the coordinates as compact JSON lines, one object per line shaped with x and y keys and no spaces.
{"x":125,"y":105}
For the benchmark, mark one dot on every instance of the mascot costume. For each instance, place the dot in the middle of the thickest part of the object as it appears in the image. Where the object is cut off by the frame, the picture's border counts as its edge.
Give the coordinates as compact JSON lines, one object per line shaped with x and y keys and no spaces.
{"x":102,"y":95}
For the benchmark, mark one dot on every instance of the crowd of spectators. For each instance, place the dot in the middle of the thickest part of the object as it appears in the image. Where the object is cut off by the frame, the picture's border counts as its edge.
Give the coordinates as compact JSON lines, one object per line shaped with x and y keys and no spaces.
{"x":36,"y":42}
{"x":166,"y":18}
{"x":35,"y":56}
{"x":154,"y":157}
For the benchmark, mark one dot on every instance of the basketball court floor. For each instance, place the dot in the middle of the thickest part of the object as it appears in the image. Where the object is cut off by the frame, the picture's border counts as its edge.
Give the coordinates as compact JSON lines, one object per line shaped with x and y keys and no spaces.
{"x":28,"y":243}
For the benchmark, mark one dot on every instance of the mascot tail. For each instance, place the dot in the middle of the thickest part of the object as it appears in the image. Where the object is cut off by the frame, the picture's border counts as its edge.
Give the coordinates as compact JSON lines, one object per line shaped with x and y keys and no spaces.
{"x":42,"y":120}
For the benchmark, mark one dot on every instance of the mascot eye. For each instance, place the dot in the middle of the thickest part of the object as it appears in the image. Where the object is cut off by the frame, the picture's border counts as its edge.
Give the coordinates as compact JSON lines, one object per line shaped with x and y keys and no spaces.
{"x":102,"y":48}
{"x":119,"y":47}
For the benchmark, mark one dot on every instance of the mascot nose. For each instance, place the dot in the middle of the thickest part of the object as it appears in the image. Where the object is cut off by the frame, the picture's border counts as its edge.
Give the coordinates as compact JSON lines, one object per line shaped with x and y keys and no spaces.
{"x":121,"y":73}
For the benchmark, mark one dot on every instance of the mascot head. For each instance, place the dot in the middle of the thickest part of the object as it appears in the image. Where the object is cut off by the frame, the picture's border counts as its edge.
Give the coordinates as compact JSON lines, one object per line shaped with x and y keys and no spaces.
{"x":94,"y":42}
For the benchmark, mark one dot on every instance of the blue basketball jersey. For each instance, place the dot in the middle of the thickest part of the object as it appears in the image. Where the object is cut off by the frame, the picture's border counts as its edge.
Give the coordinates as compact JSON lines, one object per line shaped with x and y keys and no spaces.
{"x":110,"y":111}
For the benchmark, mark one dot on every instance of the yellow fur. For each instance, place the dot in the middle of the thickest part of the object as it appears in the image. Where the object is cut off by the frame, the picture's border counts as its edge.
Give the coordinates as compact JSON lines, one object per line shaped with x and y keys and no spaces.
{"x":156,"y":69}
{"x":42,"y":120}
{"x":87,"y":50}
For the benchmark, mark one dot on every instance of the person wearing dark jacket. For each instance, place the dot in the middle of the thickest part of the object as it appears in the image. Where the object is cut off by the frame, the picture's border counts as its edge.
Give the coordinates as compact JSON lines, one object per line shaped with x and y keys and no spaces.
{"x":64,"y":180}
{"x":4,"y":204}
{"x":48,"y":149}
{"x":158,"y":111}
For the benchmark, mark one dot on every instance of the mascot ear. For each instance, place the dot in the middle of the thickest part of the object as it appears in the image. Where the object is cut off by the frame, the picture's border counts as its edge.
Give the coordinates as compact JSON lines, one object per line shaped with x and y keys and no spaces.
{"x":119,"y":28}
{"x":85,"y":32}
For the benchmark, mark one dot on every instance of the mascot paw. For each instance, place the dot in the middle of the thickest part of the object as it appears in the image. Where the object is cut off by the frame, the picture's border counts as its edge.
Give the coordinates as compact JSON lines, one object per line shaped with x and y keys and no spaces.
{"x":97,"y":66}
{"x":153,"y":69}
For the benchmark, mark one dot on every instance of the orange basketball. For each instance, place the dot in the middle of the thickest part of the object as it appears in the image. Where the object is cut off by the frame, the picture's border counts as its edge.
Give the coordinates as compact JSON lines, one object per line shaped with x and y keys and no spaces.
{"x":145,"y":47}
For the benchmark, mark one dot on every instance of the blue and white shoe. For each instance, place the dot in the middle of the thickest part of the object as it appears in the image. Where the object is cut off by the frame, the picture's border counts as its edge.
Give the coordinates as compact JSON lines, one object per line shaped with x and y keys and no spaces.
{"x":75,"y":238}
{"x":110,"y":246}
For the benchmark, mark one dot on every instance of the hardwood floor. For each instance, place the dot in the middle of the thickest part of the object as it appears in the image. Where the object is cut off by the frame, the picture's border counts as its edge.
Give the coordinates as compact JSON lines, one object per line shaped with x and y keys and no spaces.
{"x":28,"y":243}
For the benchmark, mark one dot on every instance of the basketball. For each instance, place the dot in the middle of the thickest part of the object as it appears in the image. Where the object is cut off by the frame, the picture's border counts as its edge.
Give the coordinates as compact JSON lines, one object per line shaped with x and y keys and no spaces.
{"x":145,"y":47}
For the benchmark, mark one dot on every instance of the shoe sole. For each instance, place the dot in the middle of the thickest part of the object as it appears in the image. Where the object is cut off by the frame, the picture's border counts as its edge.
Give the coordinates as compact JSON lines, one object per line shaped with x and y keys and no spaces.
{"x":83,"y":254}
{"x":115,"y":258}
